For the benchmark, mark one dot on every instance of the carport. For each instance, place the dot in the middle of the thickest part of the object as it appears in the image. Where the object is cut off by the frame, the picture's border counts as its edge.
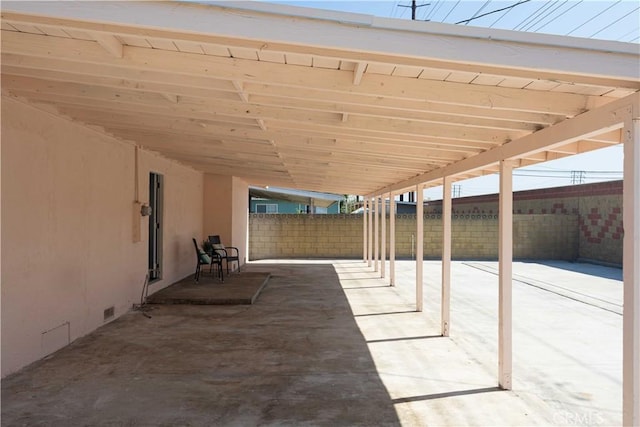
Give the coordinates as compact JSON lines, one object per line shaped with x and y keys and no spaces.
{"x":224,"y":95}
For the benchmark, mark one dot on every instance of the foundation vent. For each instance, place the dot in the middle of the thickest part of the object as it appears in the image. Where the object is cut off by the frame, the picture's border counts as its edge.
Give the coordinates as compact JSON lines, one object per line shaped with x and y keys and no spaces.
{"x":109,"y":313}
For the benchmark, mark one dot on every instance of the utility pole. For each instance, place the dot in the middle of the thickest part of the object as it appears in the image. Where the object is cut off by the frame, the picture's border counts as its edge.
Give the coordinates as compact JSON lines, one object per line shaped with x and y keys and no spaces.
{"x":414,"y":7}
{"x":577,"y":177}
{"x":457,"y":190}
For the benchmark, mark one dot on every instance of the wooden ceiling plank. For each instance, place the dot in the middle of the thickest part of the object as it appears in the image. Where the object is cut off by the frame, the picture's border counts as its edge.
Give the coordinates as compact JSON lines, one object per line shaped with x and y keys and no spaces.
{"x":243,"y":95}
{"x":110,"y":43}
{"x":166,"y":82}
{"x":451,"y":114}
{"x":26,"y":28}
{"x":168,"y":123}
{"x":101,"y":72}
{"x":127,"y":40}
{"x":356,"y":127}
{"x":399,"y":104}
{"x":268,"y":56}
{"x":400,"y":127}
{"x":322,"y":62}
{"x":237,"y":52}
{"x":358,"y":72}
{"x":215,"y":50}
{"x":165,"y":110}
{"x":464,"y":77}
{"x":332,"y":80}
{"x":394,"y":113}
{"x":43,"y":78}
{"x":162,"y":44}
{"x":189,"y":47}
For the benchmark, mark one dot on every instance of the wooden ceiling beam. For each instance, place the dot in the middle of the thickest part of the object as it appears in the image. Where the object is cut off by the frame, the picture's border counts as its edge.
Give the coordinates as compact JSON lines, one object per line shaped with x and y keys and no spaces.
{"x":458,"y":129}
{"x":263,"y":94}
{"x":109,"y":43}
{"x":270,"y":92}
{"x":209,"y":98}
{"x":144,"y":59}
{"x":167,"y":123}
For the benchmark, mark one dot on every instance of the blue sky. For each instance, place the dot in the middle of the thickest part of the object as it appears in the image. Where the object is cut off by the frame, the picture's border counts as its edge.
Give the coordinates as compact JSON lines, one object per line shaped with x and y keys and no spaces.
{"x":617,"y":20}
{"x":608,"y":20}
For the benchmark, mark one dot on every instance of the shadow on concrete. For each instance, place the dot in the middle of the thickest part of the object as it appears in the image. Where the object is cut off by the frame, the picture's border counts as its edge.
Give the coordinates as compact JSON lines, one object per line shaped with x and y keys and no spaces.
{"x":363,"y":287}
{"x":383,"y":314}
{"x":295,"y":357}
{"x":447,"y":394}
{"x":606,"y":272}
{"x":425,"y":337}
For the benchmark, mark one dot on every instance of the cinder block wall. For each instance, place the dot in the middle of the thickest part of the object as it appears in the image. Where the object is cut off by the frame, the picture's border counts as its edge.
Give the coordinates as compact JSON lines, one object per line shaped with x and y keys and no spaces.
{"x":598,"y":207}
{"x":473,"y":236}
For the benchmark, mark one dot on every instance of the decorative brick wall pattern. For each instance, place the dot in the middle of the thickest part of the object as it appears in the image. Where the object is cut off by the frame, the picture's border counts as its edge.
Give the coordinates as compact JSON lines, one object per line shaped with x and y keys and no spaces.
{"x":598,"y":207}
{"x":601,"y":232}
{"x":473,"y":236}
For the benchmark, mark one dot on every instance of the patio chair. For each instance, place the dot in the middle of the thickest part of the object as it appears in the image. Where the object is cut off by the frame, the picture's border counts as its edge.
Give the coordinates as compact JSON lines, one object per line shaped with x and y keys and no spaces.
{"x":203,"y":258}
{"x":228,"y":253}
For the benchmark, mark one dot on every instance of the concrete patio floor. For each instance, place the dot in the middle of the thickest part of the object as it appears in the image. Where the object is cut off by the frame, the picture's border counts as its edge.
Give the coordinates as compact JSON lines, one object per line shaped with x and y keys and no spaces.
{"x":329,"y":343}
{"x":237,"y":288}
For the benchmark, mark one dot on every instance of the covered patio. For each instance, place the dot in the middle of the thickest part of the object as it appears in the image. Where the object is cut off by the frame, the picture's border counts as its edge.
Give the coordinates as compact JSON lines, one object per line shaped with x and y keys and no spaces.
{"x":330,"y":343}
{"x":111,"y":106}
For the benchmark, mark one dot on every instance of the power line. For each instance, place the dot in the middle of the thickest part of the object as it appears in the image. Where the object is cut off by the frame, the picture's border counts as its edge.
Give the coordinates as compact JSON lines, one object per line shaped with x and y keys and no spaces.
{"x":434,"y":10}
{"x":629,"y":33}
{"x":466,"y":22}
{"x":558,"y":16}
{"x":532,"y":18}
{"x":500,"y":17}
{"x":547,"y":14}
{"x":493,"y":11}
{"x":526,"y":20}
{"x":585,"y":23}
{"x":454,"y":6}
{"x":394,"y":9}
{"x":617,"y":20}
{"x":591,"y":177}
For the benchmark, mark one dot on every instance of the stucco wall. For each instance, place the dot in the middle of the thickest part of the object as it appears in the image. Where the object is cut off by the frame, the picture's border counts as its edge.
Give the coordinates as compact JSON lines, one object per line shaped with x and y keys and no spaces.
{"x":240,"y":217}
{"x":67,"y":221}
{"x":473,"y":236}
{"x":226,"y":206}
{"x":217,"y":196}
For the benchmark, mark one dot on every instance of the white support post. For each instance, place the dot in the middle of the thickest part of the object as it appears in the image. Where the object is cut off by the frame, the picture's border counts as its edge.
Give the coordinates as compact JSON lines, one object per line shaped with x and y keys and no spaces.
{"x":364,"y":230}
{"x":631,"y":274}
{"x":383,"y":236}
{"x":376,"y":233}
{"x":370,"y":233}
{"x":419,"y":245}
{"x":505,"y":258}
{"x":392,"y":240}
{"x":445,"y":321}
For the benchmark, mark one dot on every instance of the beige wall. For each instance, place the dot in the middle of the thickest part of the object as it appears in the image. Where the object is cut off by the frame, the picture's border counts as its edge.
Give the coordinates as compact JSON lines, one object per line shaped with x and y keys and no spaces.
{"x":217,"y":196}
{"x":226,"y":207}
{"x":335,"y":236}
{"x":240,"y":215}
{"x":67,"y":249}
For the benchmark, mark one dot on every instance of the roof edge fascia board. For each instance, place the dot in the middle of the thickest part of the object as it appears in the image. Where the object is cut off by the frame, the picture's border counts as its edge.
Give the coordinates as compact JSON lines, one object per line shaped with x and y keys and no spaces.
{"x":434,"y":28}
{"x":616,"y":56}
